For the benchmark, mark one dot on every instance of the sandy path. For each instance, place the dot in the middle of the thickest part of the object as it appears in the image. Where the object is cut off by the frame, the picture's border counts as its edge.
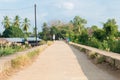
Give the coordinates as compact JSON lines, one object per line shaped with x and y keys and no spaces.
{"x":61,"y":62}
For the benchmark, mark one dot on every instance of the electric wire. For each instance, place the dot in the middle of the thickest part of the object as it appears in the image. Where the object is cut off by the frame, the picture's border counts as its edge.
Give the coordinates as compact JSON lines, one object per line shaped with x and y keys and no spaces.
{"x":16,"y":9}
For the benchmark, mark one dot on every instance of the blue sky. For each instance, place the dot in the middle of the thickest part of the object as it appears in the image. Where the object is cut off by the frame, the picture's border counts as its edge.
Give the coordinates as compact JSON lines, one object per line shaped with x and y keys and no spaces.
{"x":94,"y":11}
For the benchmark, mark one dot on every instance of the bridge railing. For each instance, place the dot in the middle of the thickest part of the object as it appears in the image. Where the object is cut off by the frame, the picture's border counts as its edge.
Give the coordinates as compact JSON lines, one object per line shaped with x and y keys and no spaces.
{"x":109,"y":57}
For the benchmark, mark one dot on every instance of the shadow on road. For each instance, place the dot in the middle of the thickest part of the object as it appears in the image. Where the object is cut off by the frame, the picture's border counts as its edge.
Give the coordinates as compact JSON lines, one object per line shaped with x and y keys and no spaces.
{"x":91,"y":71}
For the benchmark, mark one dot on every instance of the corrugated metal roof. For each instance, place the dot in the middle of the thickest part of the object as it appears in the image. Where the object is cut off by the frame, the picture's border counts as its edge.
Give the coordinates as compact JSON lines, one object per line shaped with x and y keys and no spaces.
{"x":32,"y":39}
{"x":21,"y":39}
{"x":15,"y":39}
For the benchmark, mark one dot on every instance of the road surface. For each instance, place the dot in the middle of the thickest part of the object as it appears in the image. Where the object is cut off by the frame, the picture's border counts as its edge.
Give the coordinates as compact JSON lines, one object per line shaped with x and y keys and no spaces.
{"x":62,"y":62}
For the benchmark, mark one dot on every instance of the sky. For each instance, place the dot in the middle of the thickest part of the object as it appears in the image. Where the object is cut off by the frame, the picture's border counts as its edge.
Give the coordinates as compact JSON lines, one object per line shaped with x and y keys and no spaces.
{"x":94,"y":11}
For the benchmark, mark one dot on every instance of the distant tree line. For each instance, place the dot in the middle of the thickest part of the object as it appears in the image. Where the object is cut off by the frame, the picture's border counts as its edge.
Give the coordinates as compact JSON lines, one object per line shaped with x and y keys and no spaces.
{"x":105,"y":38}
{"x":15,"y":28}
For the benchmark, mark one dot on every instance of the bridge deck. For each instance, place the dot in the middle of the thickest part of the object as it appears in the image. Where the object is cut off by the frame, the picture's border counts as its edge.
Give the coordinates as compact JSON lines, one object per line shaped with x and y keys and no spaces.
{"x":62,"y":62}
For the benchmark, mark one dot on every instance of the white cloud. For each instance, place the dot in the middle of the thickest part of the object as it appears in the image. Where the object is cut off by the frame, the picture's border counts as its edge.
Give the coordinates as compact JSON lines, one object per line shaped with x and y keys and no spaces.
{"x":68,"y":5}
{"x":65,"y":5}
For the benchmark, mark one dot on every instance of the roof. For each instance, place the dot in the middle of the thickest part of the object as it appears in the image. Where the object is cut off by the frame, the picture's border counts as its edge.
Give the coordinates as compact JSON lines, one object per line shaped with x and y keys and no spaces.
{"x":21,"y":39}
{"x":15,"y":39}
{"x":32,"y":39}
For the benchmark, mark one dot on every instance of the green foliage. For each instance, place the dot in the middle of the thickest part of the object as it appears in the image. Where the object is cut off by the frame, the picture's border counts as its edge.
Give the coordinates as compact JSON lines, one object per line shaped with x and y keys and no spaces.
{"x":42,"y":42}
{"x":83,"y":38}
{"x":13,"y":32}
{"x":6,"y":51}
{"x":94,"y":28}
{"x":16,"y":22}
{"x":100,"y":59}
{"x":117,"y":48}
{"x":78,"y":23}
{"x":99,"y":34}
{"x":75,"y":38}
{"x":92,"y":55}
{"x":94,"y":43}
{"x":10,"y":50}
{"x":6,"y":22}
{"x":105,"y":45}
{"x":40,"y":35}
{"x":46,"y":32}
{"x":26,"y":24}
{"x":106,"y":38}
{"x":118,"y":34}
{"x":53,"y":30}
{"x":111,"y":28}
{"x":71,"y":36}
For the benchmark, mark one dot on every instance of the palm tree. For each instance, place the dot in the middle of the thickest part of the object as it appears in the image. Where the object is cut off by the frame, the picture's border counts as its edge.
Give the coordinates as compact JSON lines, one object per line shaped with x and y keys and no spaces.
{"x":79,"y":23}
{"x":6,"y":22}
{"x":16,"y":22}
{"x":26,"y":24}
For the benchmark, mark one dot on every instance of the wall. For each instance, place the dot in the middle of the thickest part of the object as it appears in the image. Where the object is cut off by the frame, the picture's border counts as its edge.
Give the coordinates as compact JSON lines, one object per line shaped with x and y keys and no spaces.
{"x":100,"y":55}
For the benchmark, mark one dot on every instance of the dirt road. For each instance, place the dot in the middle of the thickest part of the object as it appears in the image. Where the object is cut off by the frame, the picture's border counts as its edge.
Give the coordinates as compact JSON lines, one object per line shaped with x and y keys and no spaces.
{"x":61,"y":62}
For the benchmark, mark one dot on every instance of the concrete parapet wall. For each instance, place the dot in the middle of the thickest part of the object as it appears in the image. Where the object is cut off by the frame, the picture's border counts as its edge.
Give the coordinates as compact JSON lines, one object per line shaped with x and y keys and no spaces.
{"x":109,"y":57}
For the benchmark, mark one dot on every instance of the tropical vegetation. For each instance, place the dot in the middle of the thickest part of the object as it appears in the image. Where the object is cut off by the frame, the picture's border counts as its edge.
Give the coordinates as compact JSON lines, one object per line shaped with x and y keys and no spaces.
{"x":105,"y":38}
{"x":15,"y":28}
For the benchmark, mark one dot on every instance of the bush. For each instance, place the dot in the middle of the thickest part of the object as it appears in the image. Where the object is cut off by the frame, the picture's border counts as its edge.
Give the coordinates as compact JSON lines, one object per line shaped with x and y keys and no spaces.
{"x":6,"y":51}
{"x":13,"y":32}
{"x":10,"y":50}
{"x":105,"y":45}
{"x":99,"y":34}
{"x":92,"y":55}
{"x":117,"y":47}
{"x":93,"y":42}
{"x":42,"y":42}
{"x":100,"y":59}
{"x":49,"y":43}
{"x":23,"y":60}
{"x":83,"y":38}
{"x":20,"y":61}
{"x":33,"y":53}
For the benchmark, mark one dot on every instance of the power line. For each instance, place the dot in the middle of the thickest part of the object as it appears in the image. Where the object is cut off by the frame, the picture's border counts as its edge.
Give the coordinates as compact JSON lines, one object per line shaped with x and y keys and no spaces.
{"x":30,"y":7}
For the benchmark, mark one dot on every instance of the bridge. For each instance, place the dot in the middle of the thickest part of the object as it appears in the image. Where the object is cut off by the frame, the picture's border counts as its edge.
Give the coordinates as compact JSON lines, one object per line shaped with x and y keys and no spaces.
{"x":61,"y":61}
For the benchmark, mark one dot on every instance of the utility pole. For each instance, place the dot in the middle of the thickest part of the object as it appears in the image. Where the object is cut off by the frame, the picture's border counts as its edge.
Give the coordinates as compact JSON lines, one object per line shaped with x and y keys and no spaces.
{"x":35,"y":24}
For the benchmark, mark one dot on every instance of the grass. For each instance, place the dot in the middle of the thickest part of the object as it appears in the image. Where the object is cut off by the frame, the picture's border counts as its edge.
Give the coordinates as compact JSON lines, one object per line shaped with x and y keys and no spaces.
{"x":49,"y":43}
{"x":42,"y":42}
{"x":21,"y":62}
{"x":10,"y":50}
{"x":33,"y":53}
{"x":6,"y":51}
{"x":100,"y":59}
{"x":92,"y":55}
